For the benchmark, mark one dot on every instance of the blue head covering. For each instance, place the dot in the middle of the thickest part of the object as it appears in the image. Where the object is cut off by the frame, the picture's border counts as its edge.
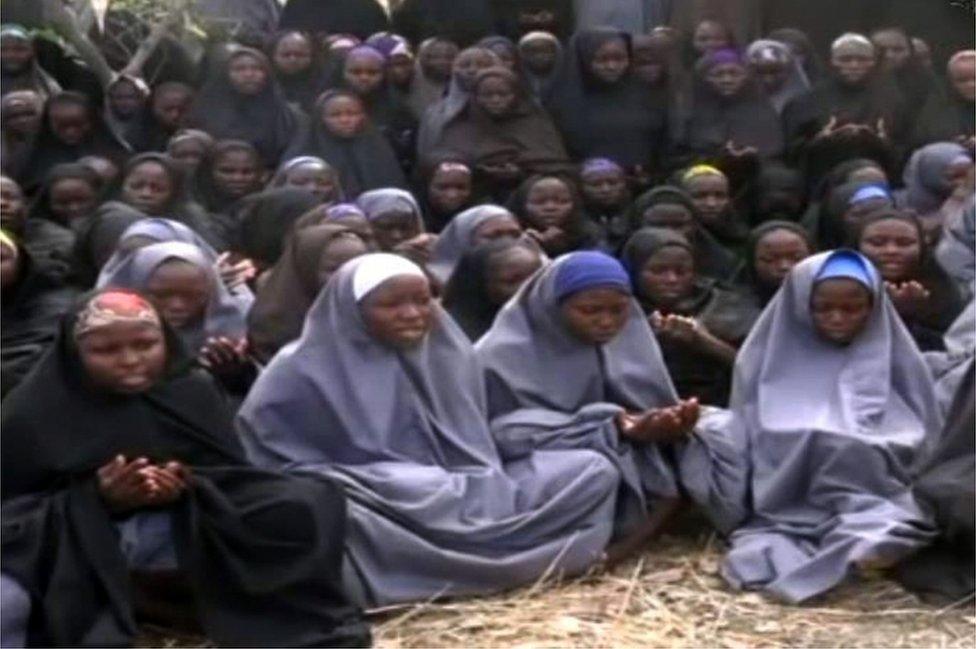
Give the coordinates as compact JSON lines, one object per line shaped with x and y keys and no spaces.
{"x":867,"y":193}
{"x":341,"y":211}
{"x":592,"y":165}
{"x":590,"y":269}
{"x":850,"y":265}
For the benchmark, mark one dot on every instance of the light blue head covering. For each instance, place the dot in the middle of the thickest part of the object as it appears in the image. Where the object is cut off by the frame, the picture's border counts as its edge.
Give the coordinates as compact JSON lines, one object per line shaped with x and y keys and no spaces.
{"x":848,"y":264}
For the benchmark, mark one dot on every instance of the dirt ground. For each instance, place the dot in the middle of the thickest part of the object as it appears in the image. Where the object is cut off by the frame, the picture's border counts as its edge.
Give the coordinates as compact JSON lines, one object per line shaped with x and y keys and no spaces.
{"x":672,"y":596}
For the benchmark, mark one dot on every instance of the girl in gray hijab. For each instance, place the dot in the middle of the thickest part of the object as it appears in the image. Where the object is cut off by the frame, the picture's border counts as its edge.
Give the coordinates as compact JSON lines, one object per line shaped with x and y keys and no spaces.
{"x":837,"y":400}
{"x":467,"y":229}
{"x":553,"y":386}
{"x":193,"y":301}
{"x":383,"y":393}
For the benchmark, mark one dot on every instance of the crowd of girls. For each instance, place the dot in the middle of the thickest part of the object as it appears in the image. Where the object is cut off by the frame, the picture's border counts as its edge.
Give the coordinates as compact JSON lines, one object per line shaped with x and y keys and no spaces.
{"x":338,"y":308}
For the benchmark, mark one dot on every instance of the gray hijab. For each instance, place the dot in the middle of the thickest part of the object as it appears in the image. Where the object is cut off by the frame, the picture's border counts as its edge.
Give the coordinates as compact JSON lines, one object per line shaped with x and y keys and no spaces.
{"x":458,"y":237}
{"x":378,"y":202}
{"x":225,"y":316}
{"x":833,"y":431}
{"x":796,"y":83}
{"x":433,"y":508}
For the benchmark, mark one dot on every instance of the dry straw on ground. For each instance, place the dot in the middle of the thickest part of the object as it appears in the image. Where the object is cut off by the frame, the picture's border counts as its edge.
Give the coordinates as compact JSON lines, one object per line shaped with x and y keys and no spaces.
{"x":672,"y":596}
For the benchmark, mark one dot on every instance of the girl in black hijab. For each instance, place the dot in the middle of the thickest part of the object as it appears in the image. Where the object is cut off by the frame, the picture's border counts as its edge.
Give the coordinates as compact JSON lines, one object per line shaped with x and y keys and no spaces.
{"x":298,"y":67}
{"x":601,"y":108}
{"x":342,"y":135}
{"x":163,"y":117}
{"x":244,"y":102}
{"x":70,"y":194}
{"x":774,"y":248}
{"x":161,"y":468}
{"x":550,"y":209}
{"x":231,"y":172}
{"x":485,"y":278}
{"x":922,"y":293}
{"x":778,"y":192}
{"x":698,"y":324}
{"x":34,"y":300}
{"x":265,"y":220}
{"x":949,"y":114}
{"x":71,"y":128}
{"x":896,"y":57}
{"x":446,"y":189}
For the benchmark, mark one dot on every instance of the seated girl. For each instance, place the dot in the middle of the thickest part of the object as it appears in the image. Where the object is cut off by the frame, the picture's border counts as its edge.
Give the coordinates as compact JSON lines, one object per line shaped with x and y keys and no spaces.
{"x":922,"y":293}
{"x":699,"y":324}
{"x":485,"y":278}
{"x":397,"y":223}
{"x":312,"y":255}
{"x":837,"y":401}
{"x":446,"y":189}
{"x":383,"y":393}
{"x":774,"y":248}
{"x":606,"y":197}
{"x":466,"y":230}
{"x":571,"y":362}
{"x":160,"y":483}
{"x":550,"y":209}
{"x":310,"y":173}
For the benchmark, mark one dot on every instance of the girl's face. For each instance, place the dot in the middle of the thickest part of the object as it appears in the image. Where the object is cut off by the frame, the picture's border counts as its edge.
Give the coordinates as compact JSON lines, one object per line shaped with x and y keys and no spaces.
{"x":771,"y":75}
{"x":72,"y":198}
{"x":188,"y":152}
{"x":610,"y":61}
{"x":605,"y":189}
{"x":237,"y":173}
{"x":962,"y":76}
{"x":316,"y":179}
{"x":11,"y":204}
{"x":293,"y":54}
{"x":449,"y":190}
{"x":180,"y":292}
{"x":469,"y":63}
{"x":506,"y":273}
{"x":499,"y":227}
{"x":363,"y":73}
{"x":148,"y":187}
{"x":727,"y":79}
{"x":71,"y":123}
{"x":393,"y":228}
{"x":400,"y":70}
{"x":539,"y":55}
{"x":247,"y":75}
{"x":840,"y":309}
{"x":595,"y":316}
{"x":21,"y":110}
{"x":344,"y":116}
{"x":170,"y":108}
{"x":710,"y":35}
{"x":853,"y":64}
{"x":549,"y":204}
{"x":495,"y":96}
{"x":437,"y":60}
{"x":16,"y":54}
{"x":894,"y":247}
{"x":125,"y":99}
{"x":777,"y":252}
{"x":9,"y":267}
{"x":667,"y":276}
{"x":893,"y":48}
{"x":710,"y":195}
{"x":123,"y":357}
{"x":672,"y":216}
{"x":336,"y":253}
{"x":399,"y":312}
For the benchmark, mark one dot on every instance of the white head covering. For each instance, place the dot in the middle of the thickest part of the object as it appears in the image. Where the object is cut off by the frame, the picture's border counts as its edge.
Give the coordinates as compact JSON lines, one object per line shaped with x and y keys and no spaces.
{"x":850,"y":38}
{"x":373,"y":270}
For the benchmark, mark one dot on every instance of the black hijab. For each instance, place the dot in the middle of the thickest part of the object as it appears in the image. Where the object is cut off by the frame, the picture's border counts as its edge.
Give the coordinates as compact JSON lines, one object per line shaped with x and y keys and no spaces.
{"x":248,"y":540}
{"x":623,"y":121}
{"x":97,"y":239}
{"x":763,"y":293}
{"x":580,"y":233}
{"x":48,"y":150}
{"x":304,"y":87}
{"x":265,"y":120}
{"x":365,"y":161}
{"x":267,"y":218}
{"x":41,"y":207}
{"x":205,"y":189}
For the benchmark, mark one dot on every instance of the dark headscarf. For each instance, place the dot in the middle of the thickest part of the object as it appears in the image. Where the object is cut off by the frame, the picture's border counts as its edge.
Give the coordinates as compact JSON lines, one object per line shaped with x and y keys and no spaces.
{"x":762,"y":292}
{"x":248,"y":539}
{"x":578,"y":229}
{"x":265,"y":120}
{"x":365,"y":161}
{"x":623,"y":121}
{"x":777,"y":177}
{"x":465,"y":296}
{"x":266,"y":219}
{"x":97,"y":239}
{"x":41,"y":207}
{"x":304,"y":87}
{"x":526,"y":133}
{"x":289,"y":289}
{"x":147,"y":133}
{"x":205,"y":189}
{"x":49,"y":150}
{"x":747,"y":120}
{"x":358,"y":17}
